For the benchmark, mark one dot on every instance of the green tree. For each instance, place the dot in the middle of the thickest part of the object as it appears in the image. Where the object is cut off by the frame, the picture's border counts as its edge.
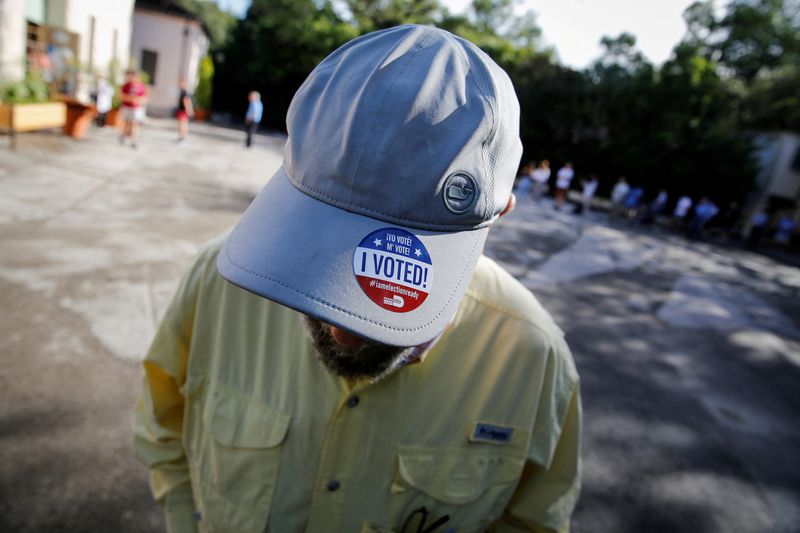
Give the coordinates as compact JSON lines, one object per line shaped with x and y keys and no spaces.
{"x":217,"y":22}
{"x":679,"y":127}
{"x":272,"y":50}
{"x":371,"y":15}
{"x":756,"y":44}
{"x":205,"y":76}
{"x":773,"y":101}
{"x":491,"y":16}
{"x":757,"y":36}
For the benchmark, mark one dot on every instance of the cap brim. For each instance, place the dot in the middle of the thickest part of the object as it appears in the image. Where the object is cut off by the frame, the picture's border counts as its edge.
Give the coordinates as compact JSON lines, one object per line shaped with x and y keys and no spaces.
{"x":298,"y":251}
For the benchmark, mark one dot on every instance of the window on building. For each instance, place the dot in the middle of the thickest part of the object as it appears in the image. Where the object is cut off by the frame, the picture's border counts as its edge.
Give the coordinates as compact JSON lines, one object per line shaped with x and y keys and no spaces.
{"x":796,"y":161}
{"x":149,"y":60}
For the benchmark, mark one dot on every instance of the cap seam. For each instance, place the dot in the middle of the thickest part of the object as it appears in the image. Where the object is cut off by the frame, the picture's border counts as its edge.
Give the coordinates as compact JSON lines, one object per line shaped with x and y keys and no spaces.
{"x":319,"y":195}
{"x":382,"y":107}
{"x":342,"y":310}
{"x":489,"y":197}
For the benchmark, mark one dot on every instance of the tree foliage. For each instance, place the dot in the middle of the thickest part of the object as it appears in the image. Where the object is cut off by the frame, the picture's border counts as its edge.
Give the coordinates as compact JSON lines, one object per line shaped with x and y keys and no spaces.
{"x":756,"y":44}
{"x":272,"y":50}
{"x":217,"y":22}
{"x":205,"y":77}
{"x":684,"y":126}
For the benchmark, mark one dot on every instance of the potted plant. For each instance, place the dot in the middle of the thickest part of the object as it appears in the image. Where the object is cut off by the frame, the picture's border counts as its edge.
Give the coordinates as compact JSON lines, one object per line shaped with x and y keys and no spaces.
{"x":24,"y":106}
{"x":202,"y":95}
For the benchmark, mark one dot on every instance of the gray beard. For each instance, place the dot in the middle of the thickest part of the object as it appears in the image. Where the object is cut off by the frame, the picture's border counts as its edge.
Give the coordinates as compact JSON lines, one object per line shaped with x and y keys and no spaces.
{"x":372,"y":360}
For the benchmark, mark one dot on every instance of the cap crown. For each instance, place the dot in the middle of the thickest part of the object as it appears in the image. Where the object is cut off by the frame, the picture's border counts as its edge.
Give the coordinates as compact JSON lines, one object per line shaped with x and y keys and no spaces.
{"x":409,"y":125}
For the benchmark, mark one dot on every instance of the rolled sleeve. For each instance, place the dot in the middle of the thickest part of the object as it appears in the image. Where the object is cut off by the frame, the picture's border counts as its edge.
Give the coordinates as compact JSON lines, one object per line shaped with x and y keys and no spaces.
{"x":159,"y":413}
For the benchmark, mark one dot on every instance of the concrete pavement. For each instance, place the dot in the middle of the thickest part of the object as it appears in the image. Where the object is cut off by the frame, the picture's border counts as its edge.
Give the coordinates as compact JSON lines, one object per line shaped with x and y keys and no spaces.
{"x":689,"y":353}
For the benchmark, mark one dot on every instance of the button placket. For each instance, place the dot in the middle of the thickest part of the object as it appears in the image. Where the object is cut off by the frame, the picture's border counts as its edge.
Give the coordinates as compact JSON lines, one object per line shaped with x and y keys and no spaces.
{"x":337,"y":461}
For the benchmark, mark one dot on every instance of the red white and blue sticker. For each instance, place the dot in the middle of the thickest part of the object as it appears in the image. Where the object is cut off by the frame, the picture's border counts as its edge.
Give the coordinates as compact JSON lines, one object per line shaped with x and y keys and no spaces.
{"x":394,"y":269}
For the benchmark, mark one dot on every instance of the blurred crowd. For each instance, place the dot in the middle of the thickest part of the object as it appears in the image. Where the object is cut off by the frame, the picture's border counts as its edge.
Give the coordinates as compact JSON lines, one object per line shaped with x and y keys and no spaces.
{"x":696,"y":217}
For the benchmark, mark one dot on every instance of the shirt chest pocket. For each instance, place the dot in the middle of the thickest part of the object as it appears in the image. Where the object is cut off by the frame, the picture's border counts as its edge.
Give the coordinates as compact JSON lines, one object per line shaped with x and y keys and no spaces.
{"x":236,"y":465}
{"x":472,"y":485}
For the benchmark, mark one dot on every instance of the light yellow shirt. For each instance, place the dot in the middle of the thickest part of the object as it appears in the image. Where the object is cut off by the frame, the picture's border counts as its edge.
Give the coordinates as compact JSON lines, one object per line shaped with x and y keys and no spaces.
{"x":245,"y":431}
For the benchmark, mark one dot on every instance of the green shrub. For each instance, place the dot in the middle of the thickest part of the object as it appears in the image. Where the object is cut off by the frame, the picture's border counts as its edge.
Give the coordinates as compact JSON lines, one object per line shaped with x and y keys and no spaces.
{"x":30,"y":89}
{"x":205,"y":75}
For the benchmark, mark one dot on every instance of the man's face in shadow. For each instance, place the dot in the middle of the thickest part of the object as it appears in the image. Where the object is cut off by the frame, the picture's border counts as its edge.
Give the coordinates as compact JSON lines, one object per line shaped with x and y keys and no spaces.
{"x":364,"y":359}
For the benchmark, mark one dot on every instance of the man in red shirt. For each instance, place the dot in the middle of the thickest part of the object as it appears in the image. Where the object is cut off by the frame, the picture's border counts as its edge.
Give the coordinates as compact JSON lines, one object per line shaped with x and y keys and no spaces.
{"x":133,"y":95}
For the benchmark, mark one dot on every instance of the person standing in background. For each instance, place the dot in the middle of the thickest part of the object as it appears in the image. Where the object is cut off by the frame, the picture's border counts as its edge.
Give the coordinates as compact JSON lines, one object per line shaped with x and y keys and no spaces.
{"x":589,"y":189}
{"x":133,"y":93}
{"x":540,"y":177}
{"x":632,"y":201}
{"x":253,"y":116}
{"x":655,"y":208}
{"x":703,"y":212}
{"x":660,"y":202}
{"x":681,"y":210}
{"x":758,"y":227}
{"x":524,"y":180}
{"x":784,"y":230}
{"x":184,"y":112}
{"x":563,"y":179}
{"x":105,"y":96}
{"x":618,"y":195}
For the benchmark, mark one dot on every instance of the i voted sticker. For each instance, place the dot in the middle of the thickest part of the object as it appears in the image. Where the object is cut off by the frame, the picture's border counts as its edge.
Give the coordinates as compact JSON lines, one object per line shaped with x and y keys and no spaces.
{"x":394,"y":269}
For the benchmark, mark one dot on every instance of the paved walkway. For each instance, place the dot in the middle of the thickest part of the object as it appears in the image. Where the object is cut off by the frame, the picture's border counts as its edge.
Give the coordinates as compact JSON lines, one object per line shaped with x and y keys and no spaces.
{"x":689,"y":354}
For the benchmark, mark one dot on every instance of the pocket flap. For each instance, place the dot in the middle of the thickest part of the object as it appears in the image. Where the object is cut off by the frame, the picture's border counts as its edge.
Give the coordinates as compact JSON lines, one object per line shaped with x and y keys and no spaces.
{"x":240,"y":422}
{"x":458,"y":476}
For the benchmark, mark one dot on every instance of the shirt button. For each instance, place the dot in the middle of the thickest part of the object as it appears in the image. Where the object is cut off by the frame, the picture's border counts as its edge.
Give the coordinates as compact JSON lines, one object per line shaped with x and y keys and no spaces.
{"x":352,"y":401}
{"x":333,"y":485}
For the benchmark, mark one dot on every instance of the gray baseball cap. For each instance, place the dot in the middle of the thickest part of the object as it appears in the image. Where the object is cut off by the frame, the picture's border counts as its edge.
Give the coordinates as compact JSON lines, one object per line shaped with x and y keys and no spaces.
{"x":402,"y":151}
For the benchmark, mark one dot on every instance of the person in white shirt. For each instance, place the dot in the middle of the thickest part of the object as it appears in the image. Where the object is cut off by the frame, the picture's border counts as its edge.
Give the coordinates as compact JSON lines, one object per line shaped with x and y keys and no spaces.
{"x":618,"y":193}
{"x":563,"y":179}
{"x":589,"y":189}
{"x":681,"y":210}
{"x":540,"y":177}
{"x":105,"y":97}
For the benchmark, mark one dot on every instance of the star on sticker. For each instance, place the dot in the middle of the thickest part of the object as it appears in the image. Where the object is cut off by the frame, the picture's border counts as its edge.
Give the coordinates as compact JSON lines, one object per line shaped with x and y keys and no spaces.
{"x":377,"y":242}
{"x":417,"y":252}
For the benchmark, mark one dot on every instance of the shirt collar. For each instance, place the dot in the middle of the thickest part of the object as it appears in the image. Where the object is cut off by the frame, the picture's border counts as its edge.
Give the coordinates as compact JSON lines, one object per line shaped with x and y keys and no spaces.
{"x":419,"y":352}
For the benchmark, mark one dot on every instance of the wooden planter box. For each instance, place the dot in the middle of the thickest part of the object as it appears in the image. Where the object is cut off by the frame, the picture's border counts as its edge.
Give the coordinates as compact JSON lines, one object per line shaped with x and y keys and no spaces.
{"x":30,"y":117}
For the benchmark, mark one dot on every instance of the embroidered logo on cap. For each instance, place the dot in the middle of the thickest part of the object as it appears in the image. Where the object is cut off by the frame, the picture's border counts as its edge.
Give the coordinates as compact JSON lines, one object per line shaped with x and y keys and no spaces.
{"x":394,"y":269}
{"x":460,"y":192}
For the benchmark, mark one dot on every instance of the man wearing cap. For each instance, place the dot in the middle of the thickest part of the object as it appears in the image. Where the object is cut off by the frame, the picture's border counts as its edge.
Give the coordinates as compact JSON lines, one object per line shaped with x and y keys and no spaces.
{"x":346,"y":359}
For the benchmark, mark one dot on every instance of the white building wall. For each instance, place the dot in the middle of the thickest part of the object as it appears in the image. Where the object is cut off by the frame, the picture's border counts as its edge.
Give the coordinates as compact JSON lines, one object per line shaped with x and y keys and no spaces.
{"x":12,"y":40}
{"x":178,"y":55}
{"x":197,"y":50}
{"x":109,"y":15}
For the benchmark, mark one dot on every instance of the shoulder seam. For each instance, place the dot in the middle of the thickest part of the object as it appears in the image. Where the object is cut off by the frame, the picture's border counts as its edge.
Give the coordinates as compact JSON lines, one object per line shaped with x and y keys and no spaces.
{"x":508,"y":312}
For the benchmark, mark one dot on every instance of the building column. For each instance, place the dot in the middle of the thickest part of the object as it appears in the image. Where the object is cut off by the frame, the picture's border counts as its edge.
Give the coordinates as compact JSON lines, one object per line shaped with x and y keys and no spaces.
{"x":13,"y":28}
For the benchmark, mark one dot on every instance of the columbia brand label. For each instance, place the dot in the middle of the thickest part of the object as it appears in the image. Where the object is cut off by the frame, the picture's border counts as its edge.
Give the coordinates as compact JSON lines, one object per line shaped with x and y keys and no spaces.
{"x":394,"y":269}
{"x":492,"y":433}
